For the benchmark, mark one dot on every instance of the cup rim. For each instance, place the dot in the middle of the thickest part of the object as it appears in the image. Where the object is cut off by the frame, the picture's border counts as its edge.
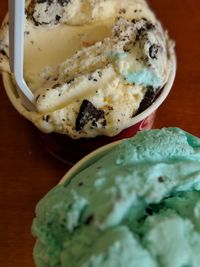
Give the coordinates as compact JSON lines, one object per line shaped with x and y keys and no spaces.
{"x":13,"y":96}
{"x":88,"y":160}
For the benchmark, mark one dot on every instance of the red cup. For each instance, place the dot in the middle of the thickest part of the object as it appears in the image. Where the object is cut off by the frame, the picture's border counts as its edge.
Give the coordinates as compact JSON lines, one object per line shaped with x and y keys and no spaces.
{"x":70,"y":150}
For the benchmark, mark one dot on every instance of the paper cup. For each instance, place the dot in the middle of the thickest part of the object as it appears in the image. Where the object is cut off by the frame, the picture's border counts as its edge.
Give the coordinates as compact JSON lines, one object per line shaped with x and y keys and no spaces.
{"x":70,"y":150}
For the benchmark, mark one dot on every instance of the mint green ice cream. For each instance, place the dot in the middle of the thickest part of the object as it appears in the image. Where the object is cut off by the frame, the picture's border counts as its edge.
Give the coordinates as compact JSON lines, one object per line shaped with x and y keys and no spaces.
{"x":136,"y":206}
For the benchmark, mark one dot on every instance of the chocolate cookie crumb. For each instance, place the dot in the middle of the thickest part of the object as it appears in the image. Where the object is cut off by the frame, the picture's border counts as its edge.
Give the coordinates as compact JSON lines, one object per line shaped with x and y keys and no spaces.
{"x":161,"y":179}
{"x":70,"y":81}
{"x":153,"y":51}
{"x":3,"y":52}
{"x":122,"y":11}
{"x":58,"y":18}
{"x":37,"y":97}
{"x":63,"y":2}
{"x":90,"y":219}
{"x":104,"y":123}
{"x":46,"y":118}
{"x":149,"y":211}
{"x":55,"y":86}
{"x":150,"y":26}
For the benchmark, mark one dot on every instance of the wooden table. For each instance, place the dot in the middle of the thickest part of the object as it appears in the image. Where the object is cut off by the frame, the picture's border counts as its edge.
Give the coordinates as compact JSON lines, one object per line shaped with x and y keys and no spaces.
{"x":27,"y":171}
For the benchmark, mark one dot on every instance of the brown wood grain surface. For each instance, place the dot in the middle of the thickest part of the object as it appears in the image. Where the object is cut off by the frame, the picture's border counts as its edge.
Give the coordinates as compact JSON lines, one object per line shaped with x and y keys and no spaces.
{"x":27,"y":171}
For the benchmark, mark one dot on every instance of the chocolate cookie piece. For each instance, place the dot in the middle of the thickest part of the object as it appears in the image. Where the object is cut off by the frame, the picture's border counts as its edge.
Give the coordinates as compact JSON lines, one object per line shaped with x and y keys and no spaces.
{"x":52,"y":14}
{"x":88,"y":112}
{"x":148,"y":99}
{"x":150,"y":26}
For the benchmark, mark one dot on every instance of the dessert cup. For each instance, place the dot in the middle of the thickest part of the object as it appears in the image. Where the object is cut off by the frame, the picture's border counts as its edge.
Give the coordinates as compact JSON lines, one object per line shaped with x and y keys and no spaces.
{"x":72,"y":150}
{"x":134,"y":60}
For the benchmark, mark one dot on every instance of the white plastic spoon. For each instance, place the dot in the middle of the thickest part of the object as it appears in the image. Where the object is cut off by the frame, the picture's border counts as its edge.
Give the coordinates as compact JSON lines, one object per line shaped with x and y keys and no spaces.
{"x":16,"y":50}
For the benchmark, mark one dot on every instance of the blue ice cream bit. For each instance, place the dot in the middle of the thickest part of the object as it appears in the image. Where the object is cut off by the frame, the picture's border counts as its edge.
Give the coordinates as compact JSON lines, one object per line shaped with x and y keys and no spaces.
{"x":144,"y":77}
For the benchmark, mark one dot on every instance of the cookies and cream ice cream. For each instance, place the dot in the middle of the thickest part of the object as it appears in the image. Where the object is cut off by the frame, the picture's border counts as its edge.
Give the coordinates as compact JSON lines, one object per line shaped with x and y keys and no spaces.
{"x":92,"y":65}
{"x":136,"y":205}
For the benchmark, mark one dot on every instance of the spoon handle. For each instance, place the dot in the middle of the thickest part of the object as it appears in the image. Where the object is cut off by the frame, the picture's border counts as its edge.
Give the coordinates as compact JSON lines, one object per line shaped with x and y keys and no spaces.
{"x":16,"y":45}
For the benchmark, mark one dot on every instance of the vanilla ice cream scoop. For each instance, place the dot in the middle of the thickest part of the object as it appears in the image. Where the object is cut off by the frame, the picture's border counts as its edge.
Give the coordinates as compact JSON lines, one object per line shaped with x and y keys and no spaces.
{"x":97,"y":64}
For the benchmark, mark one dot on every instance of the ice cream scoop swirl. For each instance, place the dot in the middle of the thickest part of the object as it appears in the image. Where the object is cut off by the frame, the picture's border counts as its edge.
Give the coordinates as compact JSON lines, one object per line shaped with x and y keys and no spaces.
{"x":138,"y":205}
